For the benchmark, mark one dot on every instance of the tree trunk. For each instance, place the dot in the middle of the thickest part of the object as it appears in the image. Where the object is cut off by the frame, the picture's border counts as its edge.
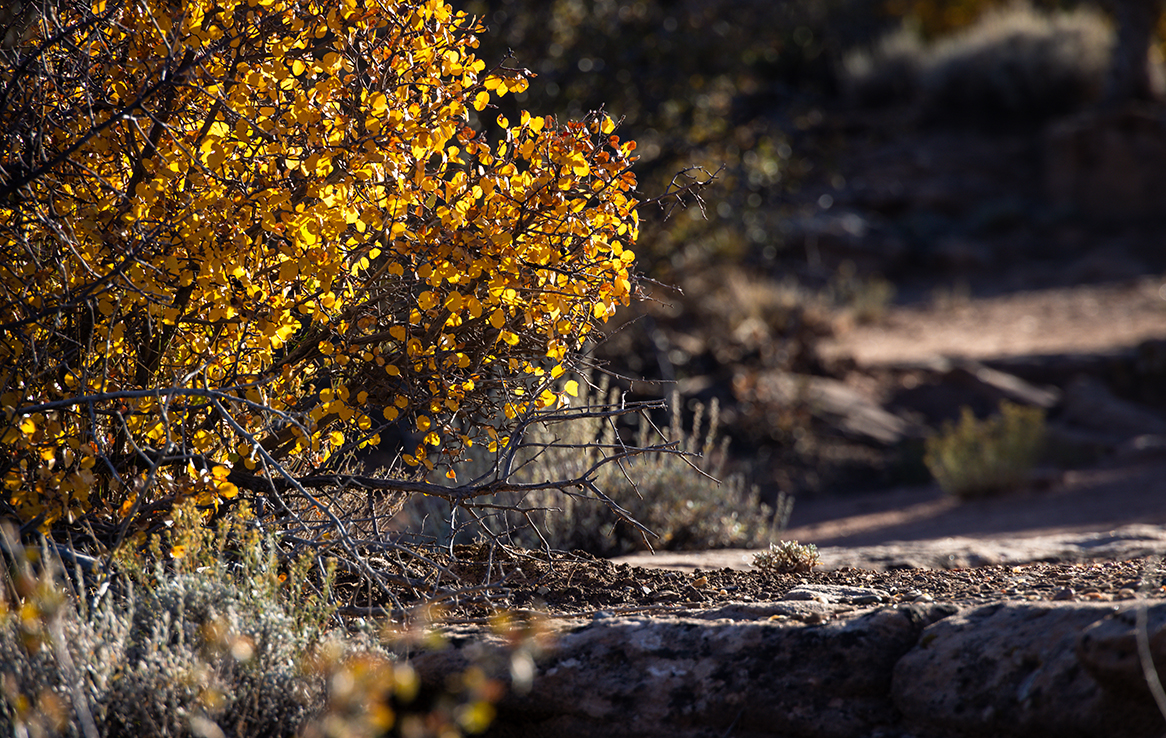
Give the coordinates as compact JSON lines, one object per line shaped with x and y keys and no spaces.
{"x":1133,"y":76}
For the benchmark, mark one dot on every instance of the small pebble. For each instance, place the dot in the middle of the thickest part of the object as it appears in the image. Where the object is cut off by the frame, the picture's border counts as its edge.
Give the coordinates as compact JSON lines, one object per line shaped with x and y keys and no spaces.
{"x":1125,"y":593}
{"x":924,"y":598}
{"x":1065,"y":593}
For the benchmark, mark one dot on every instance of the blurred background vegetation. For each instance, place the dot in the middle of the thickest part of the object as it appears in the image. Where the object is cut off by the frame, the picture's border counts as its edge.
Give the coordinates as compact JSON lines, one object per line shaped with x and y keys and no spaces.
{"x":711,"y":83}
{"x":789,"y":103}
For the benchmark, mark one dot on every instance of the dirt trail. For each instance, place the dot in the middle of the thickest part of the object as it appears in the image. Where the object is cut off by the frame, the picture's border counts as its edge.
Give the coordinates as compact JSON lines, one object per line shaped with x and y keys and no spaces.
{"x":1083,"y":320}
{"x":1088,"y":319}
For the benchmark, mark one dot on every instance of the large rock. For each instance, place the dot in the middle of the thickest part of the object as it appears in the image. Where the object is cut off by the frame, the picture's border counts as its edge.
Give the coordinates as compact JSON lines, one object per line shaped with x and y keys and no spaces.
{"x":640,"y":677}
{"x":1013,"y":669}
{"x":924,"y":671}
{"x":1108,"y":165}
{"x":835,"y":403}
{"x":1089,"y":404}
{"x":1109,"y":649}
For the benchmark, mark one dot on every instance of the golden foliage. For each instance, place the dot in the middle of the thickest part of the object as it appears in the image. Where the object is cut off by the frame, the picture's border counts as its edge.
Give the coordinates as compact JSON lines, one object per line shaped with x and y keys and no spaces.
{"x":235,"y":233}
{"x":940,"y":17}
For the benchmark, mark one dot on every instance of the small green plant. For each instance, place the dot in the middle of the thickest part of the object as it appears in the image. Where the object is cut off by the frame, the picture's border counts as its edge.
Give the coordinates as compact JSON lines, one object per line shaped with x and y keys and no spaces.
{"x":976,"y":458}
{"x":787,"y":557}
{"x":865,"y":299}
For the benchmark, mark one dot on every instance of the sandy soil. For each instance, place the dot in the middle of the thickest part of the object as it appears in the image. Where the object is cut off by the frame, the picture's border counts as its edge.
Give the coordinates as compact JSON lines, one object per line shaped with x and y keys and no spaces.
{"x":1089,"y":319}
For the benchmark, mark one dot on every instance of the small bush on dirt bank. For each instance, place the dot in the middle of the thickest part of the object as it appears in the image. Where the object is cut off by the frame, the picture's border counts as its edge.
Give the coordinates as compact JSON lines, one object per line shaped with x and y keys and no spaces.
{"x":1012,"y":66}
{"x":976,"y":458}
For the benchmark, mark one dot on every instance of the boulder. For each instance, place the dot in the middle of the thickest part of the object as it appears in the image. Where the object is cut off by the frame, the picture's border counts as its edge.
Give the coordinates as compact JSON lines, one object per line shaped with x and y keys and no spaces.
{"x":1108,"y":165}
{"x":641,"y":677}
{"x":835,"y":403}
{"x":1014,"y":669}
{"x":922,"y":670}
{"x":1089,"y":404}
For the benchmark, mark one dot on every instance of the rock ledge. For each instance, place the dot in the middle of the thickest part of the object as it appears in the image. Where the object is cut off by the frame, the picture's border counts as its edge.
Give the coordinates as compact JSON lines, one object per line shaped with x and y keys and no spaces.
{"x":819,"y":666}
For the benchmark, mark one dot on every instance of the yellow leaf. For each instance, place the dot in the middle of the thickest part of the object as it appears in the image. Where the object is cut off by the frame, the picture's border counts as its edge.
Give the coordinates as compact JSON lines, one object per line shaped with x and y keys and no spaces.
{"x":498,"y":318}
{"x":481,"y":100}
{"x":571,"y":388}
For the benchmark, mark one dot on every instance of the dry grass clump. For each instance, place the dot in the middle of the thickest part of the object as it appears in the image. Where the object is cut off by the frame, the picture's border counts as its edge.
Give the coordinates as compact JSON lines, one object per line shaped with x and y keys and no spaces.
{"x":1019,"y":64}
{"x":976,"y":458}
{"x":787,"y":557}
{"x":686,"y":499}
{"x":1014,"y":65}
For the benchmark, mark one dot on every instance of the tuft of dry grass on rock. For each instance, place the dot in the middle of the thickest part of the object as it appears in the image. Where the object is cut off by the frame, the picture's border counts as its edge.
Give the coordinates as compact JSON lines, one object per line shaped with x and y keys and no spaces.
{"x":787,"y":557}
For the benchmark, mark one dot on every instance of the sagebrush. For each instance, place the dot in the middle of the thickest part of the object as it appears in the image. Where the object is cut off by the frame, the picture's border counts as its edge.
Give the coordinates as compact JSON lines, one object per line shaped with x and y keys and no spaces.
{"x":975,"y":458}
{"x":787,"y":557}
{"x":685,"y":497}
{"x":209,"y":633}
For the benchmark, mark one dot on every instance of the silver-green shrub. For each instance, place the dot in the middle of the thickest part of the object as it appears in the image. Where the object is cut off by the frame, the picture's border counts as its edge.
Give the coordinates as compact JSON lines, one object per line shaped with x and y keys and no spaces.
{"x":685,"y":498}
{"x":212,"y":645}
